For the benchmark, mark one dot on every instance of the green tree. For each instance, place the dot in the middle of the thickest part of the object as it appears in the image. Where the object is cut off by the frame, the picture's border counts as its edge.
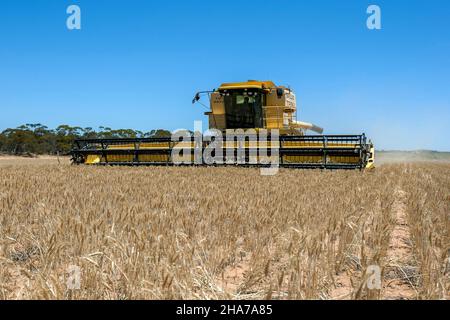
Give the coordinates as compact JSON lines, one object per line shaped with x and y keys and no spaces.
{"x":39,"y":139}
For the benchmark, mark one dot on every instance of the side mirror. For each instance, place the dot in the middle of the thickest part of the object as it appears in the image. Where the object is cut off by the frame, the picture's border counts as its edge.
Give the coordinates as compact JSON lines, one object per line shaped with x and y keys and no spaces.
{"x":196,"y":98}
{"x":280,"y":92}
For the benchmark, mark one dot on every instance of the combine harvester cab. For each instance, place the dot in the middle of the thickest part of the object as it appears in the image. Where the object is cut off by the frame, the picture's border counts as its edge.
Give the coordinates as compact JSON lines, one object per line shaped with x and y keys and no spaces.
{"x":243,"y":107}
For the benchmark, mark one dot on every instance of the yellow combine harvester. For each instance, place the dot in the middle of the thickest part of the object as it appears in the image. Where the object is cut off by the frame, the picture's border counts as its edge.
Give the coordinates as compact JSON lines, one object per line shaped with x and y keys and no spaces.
{"x":249,"y":122}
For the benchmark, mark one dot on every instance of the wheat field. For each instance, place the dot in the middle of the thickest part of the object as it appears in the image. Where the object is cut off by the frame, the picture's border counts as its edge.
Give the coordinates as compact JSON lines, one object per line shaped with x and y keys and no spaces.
{"x":74,"y":232}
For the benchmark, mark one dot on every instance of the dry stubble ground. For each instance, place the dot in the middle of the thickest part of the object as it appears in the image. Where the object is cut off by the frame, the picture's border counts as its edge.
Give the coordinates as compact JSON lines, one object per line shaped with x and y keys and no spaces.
{"x":209,"y":233}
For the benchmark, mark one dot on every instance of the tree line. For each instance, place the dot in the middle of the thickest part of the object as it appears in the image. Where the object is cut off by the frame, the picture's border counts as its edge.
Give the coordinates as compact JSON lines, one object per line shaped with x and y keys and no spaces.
{"x":36,"y":138}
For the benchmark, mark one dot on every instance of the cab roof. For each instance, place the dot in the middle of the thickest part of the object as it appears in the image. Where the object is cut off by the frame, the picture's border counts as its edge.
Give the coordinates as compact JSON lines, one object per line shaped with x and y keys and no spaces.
{"x":250,"y":84}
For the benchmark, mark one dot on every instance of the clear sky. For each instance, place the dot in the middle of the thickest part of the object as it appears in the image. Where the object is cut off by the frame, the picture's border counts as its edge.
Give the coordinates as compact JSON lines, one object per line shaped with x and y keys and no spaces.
{"x":137,"y":64}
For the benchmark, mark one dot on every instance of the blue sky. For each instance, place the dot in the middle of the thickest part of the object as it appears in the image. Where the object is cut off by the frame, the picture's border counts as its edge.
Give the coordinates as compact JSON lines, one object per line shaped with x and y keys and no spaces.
{"x":137,"y":64}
